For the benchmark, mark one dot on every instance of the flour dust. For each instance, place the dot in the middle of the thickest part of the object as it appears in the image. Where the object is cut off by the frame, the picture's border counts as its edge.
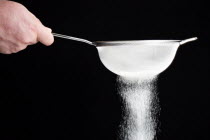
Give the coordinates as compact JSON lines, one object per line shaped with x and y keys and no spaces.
{"x":140,"y":108}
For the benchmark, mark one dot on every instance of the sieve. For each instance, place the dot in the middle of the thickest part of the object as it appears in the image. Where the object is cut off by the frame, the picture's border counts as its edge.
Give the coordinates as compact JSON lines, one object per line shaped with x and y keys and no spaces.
{"x":135,"y":57}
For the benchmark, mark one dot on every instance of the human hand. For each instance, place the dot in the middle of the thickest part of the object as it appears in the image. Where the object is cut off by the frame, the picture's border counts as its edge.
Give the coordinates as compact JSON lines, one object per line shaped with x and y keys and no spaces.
{"x":20,"y":28}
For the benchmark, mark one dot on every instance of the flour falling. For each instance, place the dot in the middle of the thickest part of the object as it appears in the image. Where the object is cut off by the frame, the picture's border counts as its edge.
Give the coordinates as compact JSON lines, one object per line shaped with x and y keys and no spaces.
{"x":138,"y":64}
{"x":140,"y":108}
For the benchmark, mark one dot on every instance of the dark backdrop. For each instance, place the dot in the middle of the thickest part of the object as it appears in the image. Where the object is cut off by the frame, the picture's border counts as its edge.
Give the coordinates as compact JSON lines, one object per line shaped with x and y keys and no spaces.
{"x":64,"y":92}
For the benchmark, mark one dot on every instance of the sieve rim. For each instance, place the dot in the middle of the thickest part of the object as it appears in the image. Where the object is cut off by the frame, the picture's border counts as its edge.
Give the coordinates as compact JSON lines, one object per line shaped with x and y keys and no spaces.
{"x":132,"y":42}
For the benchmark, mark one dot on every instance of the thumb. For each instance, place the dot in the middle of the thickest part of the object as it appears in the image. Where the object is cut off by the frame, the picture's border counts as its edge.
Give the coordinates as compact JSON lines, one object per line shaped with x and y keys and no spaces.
{"x":44,"y":35}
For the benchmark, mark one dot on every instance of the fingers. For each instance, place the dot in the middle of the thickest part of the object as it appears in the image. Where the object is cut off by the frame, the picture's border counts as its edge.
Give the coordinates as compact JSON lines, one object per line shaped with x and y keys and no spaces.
{"x":7,"y":47}
{"x":20,"y":28}
{"x":44,"y":35}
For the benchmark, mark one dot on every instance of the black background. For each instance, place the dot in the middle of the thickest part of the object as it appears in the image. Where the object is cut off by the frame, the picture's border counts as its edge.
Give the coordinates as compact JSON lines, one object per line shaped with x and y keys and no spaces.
{"x":64,"y":92}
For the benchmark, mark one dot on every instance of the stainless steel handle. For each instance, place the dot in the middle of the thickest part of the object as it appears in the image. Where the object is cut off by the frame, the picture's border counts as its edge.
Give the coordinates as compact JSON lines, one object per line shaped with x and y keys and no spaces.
{"x":188,"y":40}
{"x":73,"y":38}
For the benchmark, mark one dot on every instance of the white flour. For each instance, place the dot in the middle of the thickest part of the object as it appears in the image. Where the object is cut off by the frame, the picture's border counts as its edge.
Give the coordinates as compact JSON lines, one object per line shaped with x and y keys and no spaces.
{"x":143,"y":58}
{"x":138,"y":63}
{"x":140,"y":108}
{"x":138,"y":66}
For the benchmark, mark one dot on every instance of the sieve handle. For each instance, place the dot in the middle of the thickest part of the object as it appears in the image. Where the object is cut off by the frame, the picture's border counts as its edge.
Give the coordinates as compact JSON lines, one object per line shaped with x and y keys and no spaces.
{"x":73,"y":38}
{"x":188,"y":40}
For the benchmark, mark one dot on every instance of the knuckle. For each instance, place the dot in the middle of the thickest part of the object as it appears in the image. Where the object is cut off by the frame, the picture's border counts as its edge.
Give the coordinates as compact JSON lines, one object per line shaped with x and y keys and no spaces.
{"x":23,"y":47}
{"x":7,"y":52}
{"x":28,"y":39}
{"x":16,"y":48}
{"x":20,"y":48}
{"x":29,"y":36}
{"x":49,"y":30}
{"x":32,"y":27}
{"x":11,"y":47}
{"x":38,"y":21}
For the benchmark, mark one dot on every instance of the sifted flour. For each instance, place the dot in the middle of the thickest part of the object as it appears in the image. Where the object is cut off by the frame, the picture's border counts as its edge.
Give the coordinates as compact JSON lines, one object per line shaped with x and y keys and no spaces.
{"x":138,"y":63}
{"x":138,"y":66}
{"x":141,"y":107}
